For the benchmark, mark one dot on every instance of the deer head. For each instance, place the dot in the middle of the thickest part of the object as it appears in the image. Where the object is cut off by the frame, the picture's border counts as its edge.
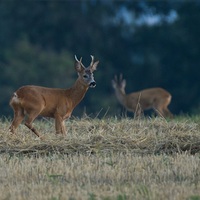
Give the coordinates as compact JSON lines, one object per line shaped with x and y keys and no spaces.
{"x":86,"y":73}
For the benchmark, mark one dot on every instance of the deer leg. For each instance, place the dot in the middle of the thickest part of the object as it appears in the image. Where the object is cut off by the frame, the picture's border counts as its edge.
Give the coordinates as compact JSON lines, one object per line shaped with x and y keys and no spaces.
{"x":168,"y":113}
{"x":29,"y":122}
{"x":161,"y":108}
{"x":18,"y":118}
{"x":60,"y":125}
{"x":159,"y":112}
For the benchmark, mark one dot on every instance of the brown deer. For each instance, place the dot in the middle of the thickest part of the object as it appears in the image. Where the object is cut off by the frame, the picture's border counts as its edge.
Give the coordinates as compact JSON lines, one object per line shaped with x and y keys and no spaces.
{"x":31,"y":101}
{"x":152,"y":98}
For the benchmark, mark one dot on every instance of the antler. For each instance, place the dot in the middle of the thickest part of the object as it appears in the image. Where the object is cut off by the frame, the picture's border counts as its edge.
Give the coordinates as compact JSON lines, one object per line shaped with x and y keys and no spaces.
{"x":120,"y":82}
{"x":120,"y":77}
{"x":116,"y":79}
{"x":92,"y":62}
{"x":77,"y":59}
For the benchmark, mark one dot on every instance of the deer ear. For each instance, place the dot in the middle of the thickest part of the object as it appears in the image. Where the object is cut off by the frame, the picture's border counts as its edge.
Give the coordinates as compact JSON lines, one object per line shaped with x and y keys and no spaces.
{"x":94,"y":66}
{"x":78,"y":66}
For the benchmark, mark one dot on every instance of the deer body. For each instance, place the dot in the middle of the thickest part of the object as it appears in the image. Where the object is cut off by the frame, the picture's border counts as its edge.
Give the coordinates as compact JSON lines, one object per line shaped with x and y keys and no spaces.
{"x":152,"y":98}
{"x":32,"y":101}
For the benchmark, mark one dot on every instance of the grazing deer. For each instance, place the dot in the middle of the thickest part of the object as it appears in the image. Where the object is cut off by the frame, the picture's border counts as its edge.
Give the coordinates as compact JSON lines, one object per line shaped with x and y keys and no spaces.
{"x":31,"y":101}
{"x":155,"y":98}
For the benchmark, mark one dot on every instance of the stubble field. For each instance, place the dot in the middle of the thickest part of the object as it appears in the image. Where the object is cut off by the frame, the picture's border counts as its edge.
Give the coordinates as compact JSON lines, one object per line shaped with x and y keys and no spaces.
{"x":107,"y":159}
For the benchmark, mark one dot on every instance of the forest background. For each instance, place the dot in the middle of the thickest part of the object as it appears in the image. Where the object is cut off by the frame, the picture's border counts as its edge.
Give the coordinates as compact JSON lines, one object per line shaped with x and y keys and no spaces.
{"x":153,"y":43}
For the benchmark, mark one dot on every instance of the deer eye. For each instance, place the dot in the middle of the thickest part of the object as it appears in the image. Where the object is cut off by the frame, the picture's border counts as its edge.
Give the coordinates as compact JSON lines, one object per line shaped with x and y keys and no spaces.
{"x":85,"y":76}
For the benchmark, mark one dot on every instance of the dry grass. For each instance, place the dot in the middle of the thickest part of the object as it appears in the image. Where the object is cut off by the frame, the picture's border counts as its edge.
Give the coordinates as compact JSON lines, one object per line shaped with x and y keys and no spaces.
{"x":102,"y":159}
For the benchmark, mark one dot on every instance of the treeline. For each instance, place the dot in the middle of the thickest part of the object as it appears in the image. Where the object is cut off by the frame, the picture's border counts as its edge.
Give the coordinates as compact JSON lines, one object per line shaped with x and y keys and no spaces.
{"x":152,"y":43}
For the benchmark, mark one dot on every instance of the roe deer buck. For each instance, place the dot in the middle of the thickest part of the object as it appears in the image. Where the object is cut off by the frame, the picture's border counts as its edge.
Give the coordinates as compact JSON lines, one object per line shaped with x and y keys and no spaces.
{"x":155,"y":98}
{"x":32,"y":101}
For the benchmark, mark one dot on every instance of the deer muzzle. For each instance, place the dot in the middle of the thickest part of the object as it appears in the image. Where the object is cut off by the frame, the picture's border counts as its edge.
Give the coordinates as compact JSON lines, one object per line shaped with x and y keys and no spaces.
{"x":92,"y":84}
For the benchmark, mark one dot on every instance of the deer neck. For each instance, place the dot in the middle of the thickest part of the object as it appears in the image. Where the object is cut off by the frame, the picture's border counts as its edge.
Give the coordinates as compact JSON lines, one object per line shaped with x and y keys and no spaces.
{"x":77,"y":92}
{"x":121,"y":96}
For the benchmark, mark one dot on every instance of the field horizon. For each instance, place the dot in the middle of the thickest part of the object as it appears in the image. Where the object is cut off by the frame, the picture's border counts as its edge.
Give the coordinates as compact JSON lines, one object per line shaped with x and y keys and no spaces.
{"x":109,"y":158}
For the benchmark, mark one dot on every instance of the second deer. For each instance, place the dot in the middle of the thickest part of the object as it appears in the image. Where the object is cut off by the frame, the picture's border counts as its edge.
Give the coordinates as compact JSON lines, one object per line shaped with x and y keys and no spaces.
{"x":30,"y":101}
{"x":157,"y":99}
